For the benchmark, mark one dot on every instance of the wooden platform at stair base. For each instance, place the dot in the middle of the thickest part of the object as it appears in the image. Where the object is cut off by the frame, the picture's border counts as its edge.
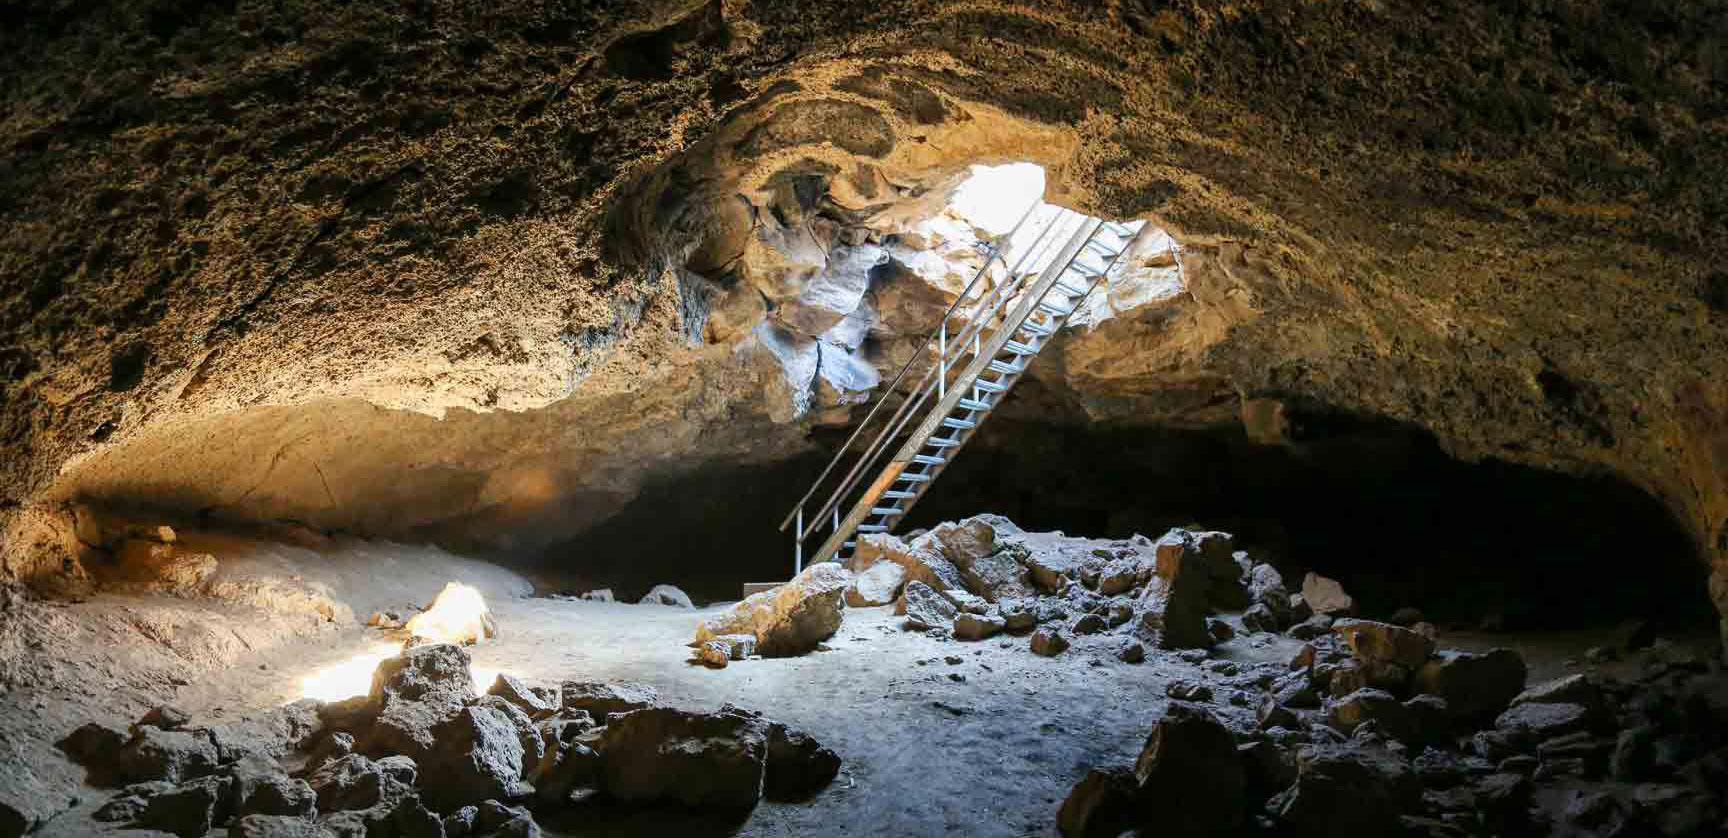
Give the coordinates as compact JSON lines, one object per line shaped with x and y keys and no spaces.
{"x":759,"y":587}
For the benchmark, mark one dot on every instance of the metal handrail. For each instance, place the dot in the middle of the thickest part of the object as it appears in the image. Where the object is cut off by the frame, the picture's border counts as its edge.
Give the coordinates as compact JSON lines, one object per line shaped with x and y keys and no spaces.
{"x":987,"y":308}
{"x":995,"y":253}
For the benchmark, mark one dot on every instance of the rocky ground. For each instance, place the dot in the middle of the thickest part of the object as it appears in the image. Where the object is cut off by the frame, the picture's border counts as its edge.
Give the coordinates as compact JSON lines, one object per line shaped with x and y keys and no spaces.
{"x":935,"y":733}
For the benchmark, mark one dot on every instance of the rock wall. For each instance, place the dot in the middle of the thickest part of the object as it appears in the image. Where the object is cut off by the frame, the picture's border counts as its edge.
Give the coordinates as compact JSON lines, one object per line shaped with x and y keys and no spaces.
{"x":1494,"y":222}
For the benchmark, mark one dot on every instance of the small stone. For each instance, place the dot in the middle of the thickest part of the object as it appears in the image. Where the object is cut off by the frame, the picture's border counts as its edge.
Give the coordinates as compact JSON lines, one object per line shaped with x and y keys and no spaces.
{"x":1188,"y":691}
{"x":1221,"y":631}
{"x":600,"y":595}
{"x":1131,"y":651}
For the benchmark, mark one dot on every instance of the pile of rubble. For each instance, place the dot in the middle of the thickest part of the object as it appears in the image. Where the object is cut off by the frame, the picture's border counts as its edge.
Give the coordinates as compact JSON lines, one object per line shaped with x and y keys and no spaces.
{"x":984,"y":575}
{"x":1369,"y":731}
{"x":422,"y":755}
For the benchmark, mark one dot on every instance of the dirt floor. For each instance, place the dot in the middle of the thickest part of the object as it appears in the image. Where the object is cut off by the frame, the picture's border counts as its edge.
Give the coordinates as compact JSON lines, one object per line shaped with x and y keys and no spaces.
{"x":938,"y":736}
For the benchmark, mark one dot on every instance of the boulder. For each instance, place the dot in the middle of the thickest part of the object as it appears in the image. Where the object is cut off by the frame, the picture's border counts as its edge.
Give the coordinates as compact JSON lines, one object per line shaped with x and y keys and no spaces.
{"x":1384,"y":643}
{"x":569,"y":769}
{"x":190,"y":809}
{"x":962,"y":542}
{"x":1342,"y":791}
{"x":1173,"y":606}
{"x":129,"y":804}
{"x":603,"y":700}
{"x":790,"y":619}
{"x":1271,"y":714}
{"x":927,"y":609}
{"x":1430,"y":720}
{"x":332,"y":747}
{"x":1190,"y":778}
{"x":922,"y":561}
{"x":517,"y":692}
{"x":1049,"y":642}
{"x":170,"y":755}
{"x":1327,"y":596}
{"x":1371,"y":705}
{"x":479,"y":756}
{"x":666,"y":595}
{"x":696,"y":759}
{"x":1578,"y":689}
{"x":1259,"y":618}
{"x":1103,"y":804}
{"x":977,"y":626}
{"x":94,"y":745}
{"x":260,"y":787}
{"x":354,"y":782}
{"x":1476,"y":687}
{"x":878,"y":584}
{"x":1354,"y":674}
{"x":996,"y":577}
{"x":1130,"y":651}
{"x":1018,"y":616}
{"x":435,"y":671}
{"x":1266,"y":586}
{"x":1123,"y":574}
{"x":967,"y":601}
{"x":1532,"y":723}
{"x":276,"y":826}
{"x":1090,"y":624}
{"x":798,"y":766}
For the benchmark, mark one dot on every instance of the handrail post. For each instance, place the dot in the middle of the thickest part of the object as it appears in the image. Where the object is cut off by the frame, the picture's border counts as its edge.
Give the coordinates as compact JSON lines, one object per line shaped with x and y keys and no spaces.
{"x":798,"y":548}
{"x":941,"y":361}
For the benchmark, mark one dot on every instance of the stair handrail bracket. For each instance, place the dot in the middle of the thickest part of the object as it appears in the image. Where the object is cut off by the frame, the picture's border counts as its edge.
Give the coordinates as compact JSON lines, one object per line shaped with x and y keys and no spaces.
{"x":1036,"y":298}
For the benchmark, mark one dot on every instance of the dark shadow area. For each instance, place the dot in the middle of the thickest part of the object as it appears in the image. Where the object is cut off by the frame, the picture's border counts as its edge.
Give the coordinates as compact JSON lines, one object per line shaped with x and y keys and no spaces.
{"x":706,"y":532}
{"x":1373,"y":503}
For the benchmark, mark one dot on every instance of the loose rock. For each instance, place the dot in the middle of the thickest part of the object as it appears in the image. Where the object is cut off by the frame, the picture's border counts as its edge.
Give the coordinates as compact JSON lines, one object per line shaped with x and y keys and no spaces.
{"x":790,"y":619}
{"x":666,"y":595}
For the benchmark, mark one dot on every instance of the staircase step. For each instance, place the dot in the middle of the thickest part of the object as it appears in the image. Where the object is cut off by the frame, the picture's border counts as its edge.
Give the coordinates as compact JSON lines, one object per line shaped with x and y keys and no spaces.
{"x":928,"y":459}
{"x":886,"y":511}
{"x":1124,"y":230}
{"x":1037,"y":329}
{"x":942,"y":442}
{"x":1018,"y":348}
{"x":1104,"y":248}
{"x":1005,"y":368}
{"x":899,"y":495}
{"x":1055,"y":309}
{"x":973,"y":405}
{"x":990,"y":386}
{"x":872,"y":527}
{"x":847,"y":545}
{"x":1069,"y":289}
{"x":959,"y":424}
{"x":1084,"y":269}
{"x":914,"y":478}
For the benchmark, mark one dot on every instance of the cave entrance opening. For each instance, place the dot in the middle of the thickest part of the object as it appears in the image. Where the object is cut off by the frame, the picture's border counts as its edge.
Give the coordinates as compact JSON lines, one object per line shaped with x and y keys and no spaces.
{"x":1039,"y":268}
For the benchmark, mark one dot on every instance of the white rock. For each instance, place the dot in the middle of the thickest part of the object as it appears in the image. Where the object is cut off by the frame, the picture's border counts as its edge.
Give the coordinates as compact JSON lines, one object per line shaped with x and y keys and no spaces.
{"x":667,"y":595}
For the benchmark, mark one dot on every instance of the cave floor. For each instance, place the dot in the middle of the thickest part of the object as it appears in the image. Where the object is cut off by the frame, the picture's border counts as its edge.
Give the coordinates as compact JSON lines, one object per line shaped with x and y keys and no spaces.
{"x":987,"y":746}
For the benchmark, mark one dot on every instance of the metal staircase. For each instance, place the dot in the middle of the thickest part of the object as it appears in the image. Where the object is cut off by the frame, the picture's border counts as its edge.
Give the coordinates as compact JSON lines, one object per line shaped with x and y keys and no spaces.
{"x":982,"y":347}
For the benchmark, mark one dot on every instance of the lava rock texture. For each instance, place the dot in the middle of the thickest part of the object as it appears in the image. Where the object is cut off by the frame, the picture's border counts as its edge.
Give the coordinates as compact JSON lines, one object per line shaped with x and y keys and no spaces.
{"x":247,"y":241}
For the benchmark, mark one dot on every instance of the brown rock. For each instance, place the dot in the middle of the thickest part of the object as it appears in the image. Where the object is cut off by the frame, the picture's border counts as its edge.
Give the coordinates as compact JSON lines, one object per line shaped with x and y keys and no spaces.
{"x":695,"y":759}
{"x":1384,"y":643}
{"x":1327,"y":596}
{"x":790,"y":619}
{"x":1476,"y":687}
